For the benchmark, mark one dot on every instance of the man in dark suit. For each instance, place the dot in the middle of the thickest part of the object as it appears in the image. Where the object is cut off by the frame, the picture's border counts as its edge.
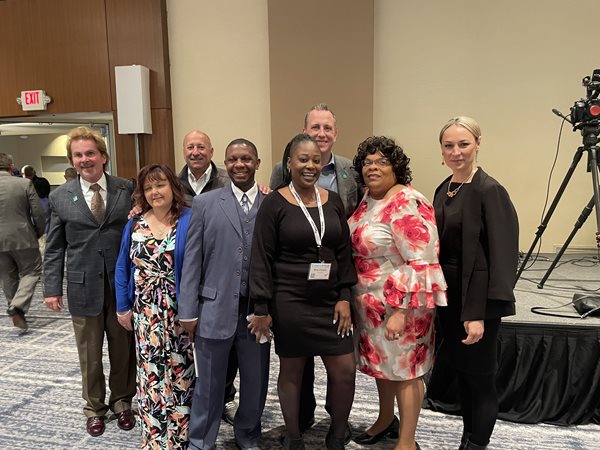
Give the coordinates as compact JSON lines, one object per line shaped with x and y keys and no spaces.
{"x":88,"y":217}
{"x":21,"y":224}
{"x":214,"y":307}
{"x":338,"y":175}
{"x":200,"y":175}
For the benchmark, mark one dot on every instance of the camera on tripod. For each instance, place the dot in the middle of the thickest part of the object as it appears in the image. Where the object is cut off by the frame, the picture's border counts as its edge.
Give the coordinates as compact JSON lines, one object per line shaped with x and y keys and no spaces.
{"x":585,"y":116}
{"x":588,"y":110}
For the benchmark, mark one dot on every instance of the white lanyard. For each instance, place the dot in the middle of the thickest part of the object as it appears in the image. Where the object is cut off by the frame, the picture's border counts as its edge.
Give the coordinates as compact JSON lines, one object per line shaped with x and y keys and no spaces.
{"x":313,"y":225}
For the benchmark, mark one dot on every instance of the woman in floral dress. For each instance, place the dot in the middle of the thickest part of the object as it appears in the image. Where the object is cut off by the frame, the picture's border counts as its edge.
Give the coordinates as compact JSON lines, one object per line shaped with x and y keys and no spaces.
{"x":395,"y":248}
{"x":147,"y":279}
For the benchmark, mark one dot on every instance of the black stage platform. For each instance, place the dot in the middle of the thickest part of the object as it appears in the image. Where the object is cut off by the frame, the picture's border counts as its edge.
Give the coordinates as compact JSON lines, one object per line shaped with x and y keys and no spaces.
{"x":549,"y":367}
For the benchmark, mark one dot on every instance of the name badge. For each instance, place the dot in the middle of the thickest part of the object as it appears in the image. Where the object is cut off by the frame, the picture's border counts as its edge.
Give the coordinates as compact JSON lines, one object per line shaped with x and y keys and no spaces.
{"x":319,"y":271}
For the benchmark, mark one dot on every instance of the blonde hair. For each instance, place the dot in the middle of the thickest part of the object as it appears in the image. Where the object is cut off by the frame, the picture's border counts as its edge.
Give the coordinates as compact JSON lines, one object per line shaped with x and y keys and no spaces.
{"x":463,"y":121}
{"x":88,"y":134}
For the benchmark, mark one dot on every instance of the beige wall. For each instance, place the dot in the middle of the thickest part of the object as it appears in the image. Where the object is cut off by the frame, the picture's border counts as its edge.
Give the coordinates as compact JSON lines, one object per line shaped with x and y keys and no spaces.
{"x":507,"y":64}
{"x":220,"y":74}
{"x":321,"y":51}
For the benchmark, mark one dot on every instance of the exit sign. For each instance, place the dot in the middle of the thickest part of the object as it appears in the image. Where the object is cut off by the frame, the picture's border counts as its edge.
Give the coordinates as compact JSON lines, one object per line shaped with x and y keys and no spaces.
{"x":33,"y":100}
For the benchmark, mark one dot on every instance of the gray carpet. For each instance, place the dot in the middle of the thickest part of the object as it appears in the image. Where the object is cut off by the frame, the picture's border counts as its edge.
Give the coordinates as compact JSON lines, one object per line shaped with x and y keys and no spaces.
{"x":40,"y":396}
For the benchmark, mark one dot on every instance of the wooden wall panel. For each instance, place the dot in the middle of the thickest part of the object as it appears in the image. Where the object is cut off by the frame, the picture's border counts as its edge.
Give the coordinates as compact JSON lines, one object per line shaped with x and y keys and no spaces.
{"x":137,"y":34}
{"x":69,"y":48}
{"x":59,"y":46}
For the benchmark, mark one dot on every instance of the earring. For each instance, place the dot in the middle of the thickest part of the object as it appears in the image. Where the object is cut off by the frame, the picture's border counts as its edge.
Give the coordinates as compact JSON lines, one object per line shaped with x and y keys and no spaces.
{"x":443,"y":163}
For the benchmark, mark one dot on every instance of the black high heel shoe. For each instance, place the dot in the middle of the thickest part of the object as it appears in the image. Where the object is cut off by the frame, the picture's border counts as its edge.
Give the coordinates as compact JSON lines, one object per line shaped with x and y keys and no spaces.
{"x":391,"y":431}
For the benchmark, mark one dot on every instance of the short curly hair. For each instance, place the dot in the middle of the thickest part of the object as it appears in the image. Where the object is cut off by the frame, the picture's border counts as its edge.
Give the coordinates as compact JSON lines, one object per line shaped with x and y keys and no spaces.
{"x":388,"y":148}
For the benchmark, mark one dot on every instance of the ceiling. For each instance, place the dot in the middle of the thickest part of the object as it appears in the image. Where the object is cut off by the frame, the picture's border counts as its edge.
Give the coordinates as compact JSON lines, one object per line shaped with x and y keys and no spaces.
{"x":50,"y":124}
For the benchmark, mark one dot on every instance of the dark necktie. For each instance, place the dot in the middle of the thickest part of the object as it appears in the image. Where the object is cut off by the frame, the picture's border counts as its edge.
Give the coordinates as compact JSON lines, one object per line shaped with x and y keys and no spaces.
{"x":97,"y":203}
{"x":245,"y":202}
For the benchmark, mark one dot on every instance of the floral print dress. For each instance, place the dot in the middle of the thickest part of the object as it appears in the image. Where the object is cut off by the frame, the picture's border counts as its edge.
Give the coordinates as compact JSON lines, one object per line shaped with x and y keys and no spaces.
{"x":395,"y":249}
{"x":165,"y":365}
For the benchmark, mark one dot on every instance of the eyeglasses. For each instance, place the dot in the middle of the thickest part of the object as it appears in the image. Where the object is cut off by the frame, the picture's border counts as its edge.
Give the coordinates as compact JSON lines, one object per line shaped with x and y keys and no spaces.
{"x":381,"y":162}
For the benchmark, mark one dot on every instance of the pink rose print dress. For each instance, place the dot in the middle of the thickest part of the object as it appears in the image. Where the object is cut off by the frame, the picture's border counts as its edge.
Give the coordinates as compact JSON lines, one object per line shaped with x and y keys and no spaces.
{"x":395,"y":248}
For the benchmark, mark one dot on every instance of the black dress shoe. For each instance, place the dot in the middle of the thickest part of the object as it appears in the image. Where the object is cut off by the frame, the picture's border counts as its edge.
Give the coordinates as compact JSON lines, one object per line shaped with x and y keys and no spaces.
{"x":95,"y":425}
{"x":229,"y":410}
{"x":290,"y":443}
{"x":333,"y":443}
{"x":391,"y":431}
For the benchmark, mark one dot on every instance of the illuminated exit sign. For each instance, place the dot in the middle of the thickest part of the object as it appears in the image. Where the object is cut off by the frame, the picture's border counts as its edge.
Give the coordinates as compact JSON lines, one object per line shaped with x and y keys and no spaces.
{"x":33,"y":100}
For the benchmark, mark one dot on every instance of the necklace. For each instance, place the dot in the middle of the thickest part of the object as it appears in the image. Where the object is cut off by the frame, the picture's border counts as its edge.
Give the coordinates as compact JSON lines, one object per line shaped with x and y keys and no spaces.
{"x":453,"y":192}
{"x":160,"y":233}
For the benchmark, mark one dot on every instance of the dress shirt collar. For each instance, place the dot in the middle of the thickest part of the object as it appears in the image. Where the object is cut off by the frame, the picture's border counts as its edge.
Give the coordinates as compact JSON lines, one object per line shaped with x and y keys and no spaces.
{"x":251,"y":193}
{"x":85,"y":185}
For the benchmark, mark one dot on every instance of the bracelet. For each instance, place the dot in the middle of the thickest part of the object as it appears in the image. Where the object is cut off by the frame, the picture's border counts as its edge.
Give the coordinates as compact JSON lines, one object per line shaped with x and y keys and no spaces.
{"x":123,"y":314}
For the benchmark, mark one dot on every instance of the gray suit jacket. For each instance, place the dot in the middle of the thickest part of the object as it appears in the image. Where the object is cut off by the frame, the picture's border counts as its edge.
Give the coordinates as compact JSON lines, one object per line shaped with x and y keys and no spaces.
{"x":22,"y":219}
{"x":212,"y":265}
{"x":345,"y":177}
{"x":91,"y":247}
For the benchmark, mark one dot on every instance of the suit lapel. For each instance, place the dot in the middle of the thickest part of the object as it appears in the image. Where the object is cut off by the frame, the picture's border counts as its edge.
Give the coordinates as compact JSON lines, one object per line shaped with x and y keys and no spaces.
{"x":76,"y":195}
{"x":113,"y":193}
{"x":341,"y":174}
{"x":229,"y":206}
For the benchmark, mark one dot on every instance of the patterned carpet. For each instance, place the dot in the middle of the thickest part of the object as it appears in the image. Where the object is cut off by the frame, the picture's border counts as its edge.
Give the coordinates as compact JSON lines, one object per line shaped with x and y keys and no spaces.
{"x":40,"y":404}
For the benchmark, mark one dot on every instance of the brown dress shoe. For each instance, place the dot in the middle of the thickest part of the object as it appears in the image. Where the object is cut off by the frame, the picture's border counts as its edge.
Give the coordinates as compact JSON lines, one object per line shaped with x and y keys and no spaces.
{"x":125,"y":420}
{"x":18,"y":318}
{"x":95,"y":425}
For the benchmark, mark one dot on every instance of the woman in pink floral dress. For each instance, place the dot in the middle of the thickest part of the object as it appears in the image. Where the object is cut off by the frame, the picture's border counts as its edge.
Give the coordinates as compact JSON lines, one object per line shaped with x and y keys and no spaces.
{"x":395,"y":248}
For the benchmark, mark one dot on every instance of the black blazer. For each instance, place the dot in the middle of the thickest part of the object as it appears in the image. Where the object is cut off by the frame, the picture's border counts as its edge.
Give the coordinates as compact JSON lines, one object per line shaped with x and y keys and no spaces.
{"x":490,"y":248}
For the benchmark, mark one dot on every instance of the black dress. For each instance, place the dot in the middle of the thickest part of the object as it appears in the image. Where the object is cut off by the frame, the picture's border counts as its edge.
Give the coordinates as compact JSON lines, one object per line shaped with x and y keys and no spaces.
{"x":283,"y":247}
{"x":476,"y":358}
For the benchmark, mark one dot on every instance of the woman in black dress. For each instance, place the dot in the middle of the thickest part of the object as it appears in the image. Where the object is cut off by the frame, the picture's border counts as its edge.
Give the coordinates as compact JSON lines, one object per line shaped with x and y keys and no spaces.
{"x":478,"y":230}
{"x":301,"y":273}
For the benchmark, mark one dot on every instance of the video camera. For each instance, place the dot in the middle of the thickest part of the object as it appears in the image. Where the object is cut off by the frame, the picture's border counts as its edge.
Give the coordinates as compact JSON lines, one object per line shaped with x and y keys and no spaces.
{"x":588,"y":110}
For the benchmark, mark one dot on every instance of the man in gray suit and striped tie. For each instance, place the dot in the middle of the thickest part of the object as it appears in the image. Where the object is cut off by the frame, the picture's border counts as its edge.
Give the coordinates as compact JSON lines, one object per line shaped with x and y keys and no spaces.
{"x":88,"y":215}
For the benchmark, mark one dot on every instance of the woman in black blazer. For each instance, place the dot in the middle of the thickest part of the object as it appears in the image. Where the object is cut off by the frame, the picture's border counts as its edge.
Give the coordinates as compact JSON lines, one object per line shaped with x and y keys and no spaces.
{"x":478,"y":229}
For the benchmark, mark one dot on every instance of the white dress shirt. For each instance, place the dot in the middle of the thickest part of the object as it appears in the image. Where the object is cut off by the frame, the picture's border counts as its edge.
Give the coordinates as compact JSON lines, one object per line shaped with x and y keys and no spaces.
{"x":200,"y":183}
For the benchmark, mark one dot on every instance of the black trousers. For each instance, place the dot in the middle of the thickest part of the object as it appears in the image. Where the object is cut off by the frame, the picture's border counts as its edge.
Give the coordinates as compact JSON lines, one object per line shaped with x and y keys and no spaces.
{"x":232,"y":368}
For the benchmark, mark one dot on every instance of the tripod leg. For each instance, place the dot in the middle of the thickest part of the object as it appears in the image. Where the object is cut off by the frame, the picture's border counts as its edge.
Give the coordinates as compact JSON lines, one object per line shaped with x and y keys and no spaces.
{"x":548,"y":215}
{"x":580,"y":221}
{"x":593,"y":153}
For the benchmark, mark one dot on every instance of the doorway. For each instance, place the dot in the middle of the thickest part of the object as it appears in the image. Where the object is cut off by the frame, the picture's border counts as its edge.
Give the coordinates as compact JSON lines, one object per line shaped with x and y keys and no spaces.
{"x":40,"y":141}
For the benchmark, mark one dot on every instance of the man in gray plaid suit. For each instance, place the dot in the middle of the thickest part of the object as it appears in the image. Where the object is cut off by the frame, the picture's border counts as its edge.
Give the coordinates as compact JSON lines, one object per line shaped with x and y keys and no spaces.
{"x":88,"y":215}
